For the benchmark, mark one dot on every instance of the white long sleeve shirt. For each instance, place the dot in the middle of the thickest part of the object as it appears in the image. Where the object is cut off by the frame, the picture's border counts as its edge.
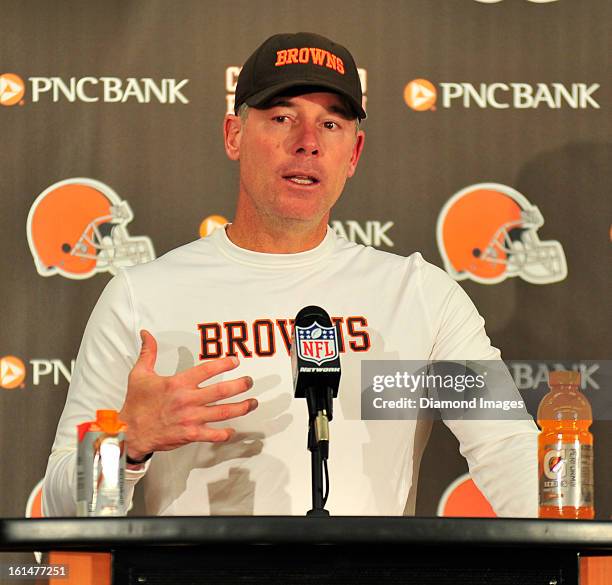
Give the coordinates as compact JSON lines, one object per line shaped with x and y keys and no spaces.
{"x":209,"y":298}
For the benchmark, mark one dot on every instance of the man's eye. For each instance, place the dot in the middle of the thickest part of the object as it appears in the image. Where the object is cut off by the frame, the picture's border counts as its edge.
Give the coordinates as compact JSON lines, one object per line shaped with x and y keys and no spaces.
{"x":280,"y":119}
{"x":330,"y":125}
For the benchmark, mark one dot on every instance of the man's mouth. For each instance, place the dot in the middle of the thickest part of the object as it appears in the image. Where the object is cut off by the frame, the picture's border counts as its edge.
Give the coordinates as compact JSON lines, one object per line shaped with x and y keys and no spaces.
{"x":302,"y":179}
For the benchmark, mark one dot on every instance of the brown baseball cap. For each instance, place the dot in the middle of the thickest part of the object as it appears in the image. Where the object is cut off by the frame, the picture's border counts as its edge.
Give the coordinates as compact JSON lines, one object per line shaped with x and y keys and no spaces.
{"x":288,"y":61}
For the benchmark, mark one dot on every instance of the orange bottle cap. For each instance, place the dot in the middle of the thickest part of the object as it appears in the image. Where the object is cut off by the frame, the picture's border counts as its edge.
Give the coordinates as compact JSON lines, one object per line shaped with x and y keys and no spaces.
{"x":107,"y":417}
{"x":564,"y":377}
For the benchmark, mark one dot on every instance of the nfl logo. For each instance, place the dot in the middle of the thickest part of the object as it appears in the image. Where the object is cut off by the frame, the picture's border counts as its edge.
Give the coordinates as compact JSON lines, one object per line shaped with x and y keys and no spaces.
{"x":316,"y":343}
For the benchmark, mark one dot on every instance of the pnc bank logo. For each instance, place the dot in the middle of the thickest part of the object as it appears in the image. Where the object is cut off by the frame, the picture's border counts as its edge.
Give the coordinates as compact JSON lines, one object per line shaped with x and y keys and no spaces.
{"x":12,"y":89}
{"x":210,"y":224}
{"x":143,"y":90}
{"x":12,"y":372}
{"x":368,"y":233}
{"x":422,"y":95}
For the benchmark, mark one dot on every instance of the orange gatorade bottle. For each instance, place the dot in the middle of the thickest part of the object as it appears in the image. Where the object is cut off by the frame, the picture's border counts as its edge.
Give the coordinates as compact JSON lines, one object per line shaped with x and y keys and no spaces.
{"x":101,"y":466}
{"x":565,"y":450}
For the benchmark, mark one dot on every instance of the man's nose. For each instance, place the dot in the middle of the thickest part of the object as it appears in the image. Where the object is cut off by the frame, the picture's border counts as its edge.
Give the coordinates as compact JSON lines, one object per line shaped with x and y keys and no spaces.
{"x":307,"y":141}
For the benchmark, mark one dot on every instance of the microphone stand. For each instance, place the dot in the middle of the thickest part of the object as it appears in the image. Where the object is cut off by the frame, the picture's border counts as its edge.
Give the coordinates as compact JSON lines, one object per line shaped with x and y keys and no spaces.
{"x":320,"y":412}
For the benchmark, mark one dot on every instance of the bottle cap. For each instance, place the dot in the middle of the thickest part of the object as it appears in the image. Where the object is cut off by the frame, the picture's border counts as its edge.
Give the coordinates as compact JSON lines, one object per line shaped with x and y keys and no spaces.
{"x":564,"y":377}
{"x":107,"y":416}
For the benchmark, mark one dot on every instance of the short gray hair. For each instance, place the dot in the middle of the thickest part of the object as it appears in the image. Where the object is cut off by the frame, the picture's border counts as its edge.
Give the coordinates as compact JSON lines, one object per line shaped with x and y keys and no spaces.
{"x":243,"y":113}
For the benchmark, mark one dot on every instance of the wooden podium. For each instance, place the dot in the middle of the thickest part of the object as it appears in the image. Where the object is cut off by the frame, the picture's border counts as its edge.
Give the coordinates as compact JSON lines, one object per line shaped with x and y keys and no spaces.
{"x":337,"y":550}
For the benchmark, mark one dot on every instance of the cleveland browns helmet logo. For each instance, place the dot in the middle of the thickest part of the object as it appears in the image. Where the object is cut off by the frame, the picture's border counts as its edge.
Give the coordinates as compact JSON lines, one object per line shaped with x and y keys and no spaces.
{"x":488,"y":232}
{"x":78,"y":227}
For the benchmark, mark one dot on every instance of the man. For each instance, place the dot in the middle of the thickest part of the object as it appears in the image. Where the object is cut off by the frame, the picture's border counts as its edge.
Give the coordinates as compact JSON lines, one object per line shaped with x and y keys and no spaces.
{"x":170,"y":343}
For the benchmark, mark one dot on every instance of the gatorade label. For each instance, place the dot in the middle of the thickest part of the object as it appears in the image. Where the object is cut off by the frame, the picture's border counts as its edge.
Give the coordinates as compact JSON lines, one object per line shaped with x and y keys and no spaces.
{"x":567,"y":475}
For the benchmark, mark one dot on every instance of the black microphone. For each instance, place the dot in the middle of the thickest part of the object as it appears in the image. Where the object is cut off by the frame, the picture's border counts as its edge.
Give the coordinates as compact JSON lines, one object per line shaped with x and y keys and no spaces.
{"x":315,"y":361}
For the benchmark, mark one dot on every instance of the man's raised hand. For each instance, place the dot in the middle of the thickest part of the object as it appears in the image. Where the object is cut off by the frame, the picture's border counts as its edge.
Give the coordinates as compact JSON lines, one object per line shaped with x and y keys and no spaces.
{"x":165,"y":412}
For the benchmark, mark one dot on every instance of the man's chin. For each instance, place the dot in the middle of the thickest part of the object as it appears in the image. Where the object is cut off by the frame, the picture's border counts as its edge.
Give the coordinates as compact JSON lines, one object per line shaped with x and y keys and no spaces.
{"x":302,"y":207}
{"x":301,"y":218}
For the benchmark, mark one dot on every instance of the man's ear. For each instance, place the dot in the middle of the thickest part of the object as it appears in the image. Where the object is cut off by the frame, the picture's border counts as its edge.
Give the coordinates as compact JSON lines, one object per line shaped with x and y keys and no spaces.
{"x":357,"y":150}
{"x":232,"y":133}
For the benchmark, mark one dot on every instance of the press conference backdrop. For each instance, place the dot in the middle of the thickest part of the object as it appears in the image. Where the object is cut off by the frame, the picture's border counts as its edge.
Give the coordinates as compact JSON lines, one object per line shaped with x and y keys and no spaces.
{"x":488,"y":130}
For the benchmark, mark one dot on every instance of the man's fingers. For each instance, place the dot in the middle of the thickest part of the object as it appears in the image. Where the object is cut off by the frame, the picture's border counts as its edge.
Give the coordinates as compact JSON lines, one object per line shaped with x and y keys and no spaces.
{"x":225,"y":389}
{"x":227,"y":411}
{"x":148,"y":351}
{"x":217,"y":435}
{"x":201,"y":372}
